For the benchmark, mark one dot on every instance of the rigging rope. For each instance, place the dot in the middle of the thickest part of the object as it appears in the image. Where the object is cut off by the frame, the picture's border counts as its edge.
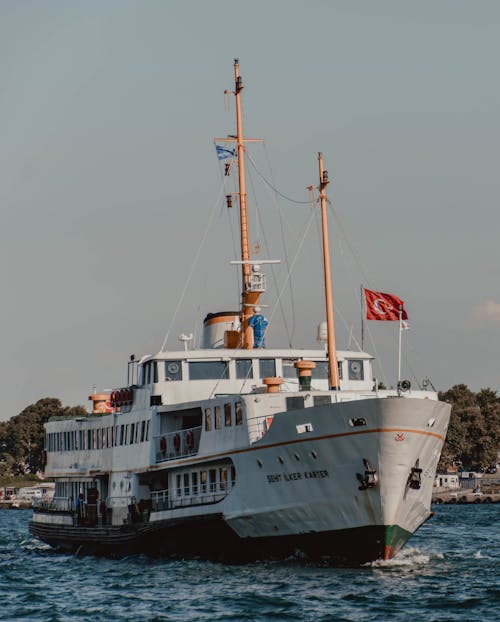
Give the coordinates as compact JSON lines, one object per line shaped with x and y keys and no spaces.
{"x":193,"y":265}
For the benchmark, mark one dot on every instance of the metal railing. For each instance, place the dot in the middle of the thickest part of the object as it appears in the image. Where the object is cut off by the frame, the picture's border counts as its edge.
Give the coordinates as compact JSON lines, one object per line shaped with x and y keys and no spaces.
{"x":178,"y":444}
{"x":56,"y":504}
{"x":162,"y":500}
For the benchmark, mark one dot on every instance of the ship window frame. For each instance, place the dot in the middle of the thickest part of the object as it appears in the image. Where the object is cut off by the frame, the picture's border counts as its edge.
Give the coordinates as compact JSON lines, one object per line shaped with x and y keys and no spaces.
{"x":244,"y":369}
{"x":228,"y":415}
{"x":287,"y":364}
{"x":174,"y":376}
{"x":238,"y":413}
{"x":132,"y":433}
{"x":208,"y":370}
{"x":212,"y":480}
{"x":353,"y":375}
{"x":148,"y":427}
{"x":217,"y":417}
{"x":267,"y":361}
{"x":143,"y":430}
{"x":203,"y":481}
{"x":194,"y":482}
{"x":186,"y":484}
{"x":208,"y":419}
{"x":223,"y":478}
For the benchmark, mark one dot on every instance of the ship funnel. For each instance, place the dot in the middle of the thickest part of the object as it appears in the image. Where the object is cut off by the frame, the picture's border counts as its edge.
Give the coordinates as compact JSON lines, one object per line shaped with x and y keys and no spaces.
{"x":215,"y":327}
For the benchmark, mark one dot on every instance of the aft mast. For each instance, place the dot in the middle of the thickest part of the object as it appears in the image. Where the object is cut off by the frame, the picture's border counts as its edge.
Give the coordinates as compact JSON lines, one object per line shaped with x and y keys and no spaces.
{"x":333,"y":368}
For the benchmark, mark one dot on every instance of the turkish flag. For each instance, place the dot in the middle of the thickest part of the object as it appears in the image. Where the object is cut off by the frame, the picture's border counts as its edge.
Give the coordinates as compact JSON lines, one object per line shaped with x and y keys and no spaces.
{"x":385,"y":307}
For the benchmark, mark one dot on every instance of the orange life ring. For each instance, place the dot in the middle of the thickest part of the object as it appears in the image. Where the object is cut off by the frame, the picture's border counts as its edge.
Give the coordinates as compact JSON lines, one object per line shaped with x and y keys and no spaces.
{"x":190,"y":439}
{"x":163,"y":443}
{"x":177,"y":442}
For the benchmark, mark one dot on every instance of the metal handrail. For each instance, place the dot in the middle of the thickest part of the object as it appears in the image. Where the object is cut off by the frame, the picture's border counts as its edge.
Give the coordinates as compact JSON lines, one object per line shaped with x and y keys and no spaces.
{"x":161,"y":500}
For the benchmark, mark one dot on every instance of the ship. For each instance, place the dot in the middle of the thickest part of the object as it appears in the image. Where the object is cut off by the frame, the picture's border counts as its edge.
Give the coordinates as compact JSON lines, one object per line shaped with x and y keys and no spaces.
{"x":235,"y":451}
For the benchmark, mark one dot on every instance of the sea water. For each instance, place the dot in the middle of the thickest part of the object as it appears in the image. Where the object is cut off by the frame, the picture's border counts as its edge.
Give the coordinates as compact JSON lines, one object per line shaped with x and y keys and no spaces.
{"x":448,"y":572}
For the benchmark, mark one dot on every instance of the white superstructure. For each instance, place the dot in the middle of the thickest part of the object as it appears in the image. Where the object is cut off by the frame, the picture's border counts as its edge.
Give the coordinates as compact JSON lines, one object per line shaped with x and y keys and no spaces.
{"x":240,"y":450}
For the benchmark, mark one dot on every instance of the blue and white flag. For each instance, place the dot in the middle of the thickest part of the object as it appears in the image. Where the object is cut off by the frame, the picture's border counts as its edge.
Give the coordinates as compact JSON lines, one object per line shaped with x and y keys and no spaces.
{"x":223,"y":153}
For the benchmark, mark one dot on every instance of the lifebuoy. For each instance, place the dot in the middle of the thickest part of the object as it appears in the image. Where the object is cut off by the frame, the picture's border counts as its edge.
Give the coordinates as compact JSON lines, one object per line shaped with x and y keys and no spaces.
{"x":177,"y":442}
{"x":189,"y":440}
{"x":113,"y":398}
{"x":163,"y":443}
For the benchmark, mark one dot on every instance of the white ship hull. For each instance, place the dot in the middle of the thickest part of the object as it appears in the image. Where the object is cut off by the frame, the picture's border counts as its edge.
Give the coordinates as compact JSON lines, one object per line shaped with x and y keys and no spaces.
{"x":301,"y":491}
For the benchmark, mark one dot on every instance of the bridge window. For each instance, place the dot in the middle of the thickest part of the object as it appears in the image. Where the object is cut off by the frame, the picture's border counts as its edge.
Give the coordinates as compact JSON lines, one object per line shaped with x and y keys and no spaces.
{"x":355,"y":369}
{"x":267,"y":368}
{"x":321,"y":371}
{"x":244,"y":368}
{"x":208,"y":370}
{"x":173,"y":370}
{"x":289,"y":370}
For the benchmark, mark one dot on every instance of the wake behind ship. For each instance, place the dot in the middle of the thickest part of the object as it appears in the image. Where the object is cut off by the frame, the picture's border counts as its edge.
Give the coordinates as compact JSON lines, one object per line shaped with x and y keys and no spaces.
{"x":237,"y":451}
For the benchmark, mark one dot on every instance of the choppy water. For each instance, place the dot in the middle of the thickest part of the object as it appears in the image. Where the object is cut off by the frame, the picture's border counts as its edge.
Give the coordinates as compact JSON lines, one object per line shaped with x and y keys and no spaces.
{"x":450,"y":572}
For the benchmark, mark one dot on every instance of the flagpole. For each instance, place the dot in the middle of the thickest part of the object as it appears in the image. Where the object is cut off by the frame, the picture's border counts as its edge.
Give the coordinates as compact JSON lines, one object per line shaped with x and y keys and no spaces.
{"x":399,"y":344}
{"x":362,"y":321}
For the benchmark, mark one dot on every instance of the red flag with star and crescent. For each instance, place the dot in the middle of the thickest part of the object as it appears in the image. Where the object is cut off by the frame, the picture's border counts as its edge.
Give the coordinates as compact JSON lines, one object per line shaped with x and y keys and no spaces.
{"x":385,"y":307}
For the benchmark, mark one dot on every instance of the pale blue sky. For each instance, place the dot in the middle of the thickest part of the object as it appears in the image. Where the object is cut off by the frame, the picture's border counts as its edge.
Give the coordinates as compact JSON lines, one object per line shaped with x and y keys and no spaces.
{"x":108,"y":111}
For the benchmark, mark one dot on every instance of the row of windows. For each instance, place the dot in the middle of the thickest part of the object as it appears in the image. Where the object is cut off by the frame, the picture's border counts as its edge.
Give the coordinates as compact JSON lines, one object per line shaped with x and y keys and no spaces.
{"x":213,"y":416}
{"x":219,"y":370}
{"x":203,"y":482}
{"x":98,"y":438}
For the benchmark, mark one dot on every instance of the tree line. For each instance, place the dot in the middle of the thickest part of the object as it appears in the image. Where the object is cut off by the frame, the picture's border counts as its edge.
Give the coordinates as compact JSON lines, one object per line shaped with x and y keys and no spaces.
{"x":472,"y":441}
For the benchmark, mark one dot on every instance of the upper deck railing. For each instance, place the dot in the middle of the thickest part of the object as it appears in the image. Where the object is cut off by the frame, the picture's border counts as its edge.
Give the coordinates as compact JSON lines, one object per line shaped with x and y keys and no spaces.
{"x":178,"y":444}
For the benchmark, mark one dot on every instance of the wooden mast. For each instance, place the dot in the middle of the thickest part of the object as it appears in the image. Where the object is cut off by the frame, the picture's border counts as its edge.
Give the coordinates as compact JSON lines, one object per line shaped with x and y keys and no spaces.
{"x":333,"y":369}
{"x":249,"y":298}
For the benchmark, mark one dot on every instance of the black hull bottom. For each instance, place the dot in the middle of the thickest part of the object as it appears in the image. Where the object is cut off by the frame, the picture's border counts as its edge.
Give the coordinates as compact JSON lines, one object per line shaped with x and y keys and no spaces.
{"x":212,"y":538}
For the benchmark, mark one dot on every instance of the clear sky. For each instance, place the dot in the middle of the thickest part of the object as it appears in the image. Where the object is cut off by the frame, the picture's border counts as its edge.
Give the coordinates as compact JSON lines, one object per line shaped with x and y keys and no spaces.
{"x":108,"y":177}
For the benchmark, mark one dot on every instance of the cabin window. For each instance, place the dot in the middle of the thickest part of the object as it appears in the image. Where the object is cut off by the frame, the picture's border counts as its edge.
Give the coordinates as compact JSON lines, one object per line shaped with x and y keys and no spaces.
{"x":155,"y":372}
{"x":143,"y":430}
{"x":233,"y":475}
{"x":203,"y":481}
{"x":218,"y":417}
{"x":194,"y":483}
{"x":294,"y":403}
{"x":122,"y":432}
{"x":223,"y":478}
{"x":179,"y":485}
{"x":147,"y":430}
{"x":208,"y":370}
{"x":208,"y":419}
{"x":212,"y":478}
{"x":186,"y":484}
{"x":321,"y":370}
{"x":319,"y":400}
{"x":238,"y":413}
{"x":227,"y":414}
{"x":267,"y":368}
{"x":355,"y":369}
{"x":132,"y":433}
{"x":289,"y":370}
{"x":173,"y":370}
{"x":116,"y":436}
{"x":244,"y":368}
